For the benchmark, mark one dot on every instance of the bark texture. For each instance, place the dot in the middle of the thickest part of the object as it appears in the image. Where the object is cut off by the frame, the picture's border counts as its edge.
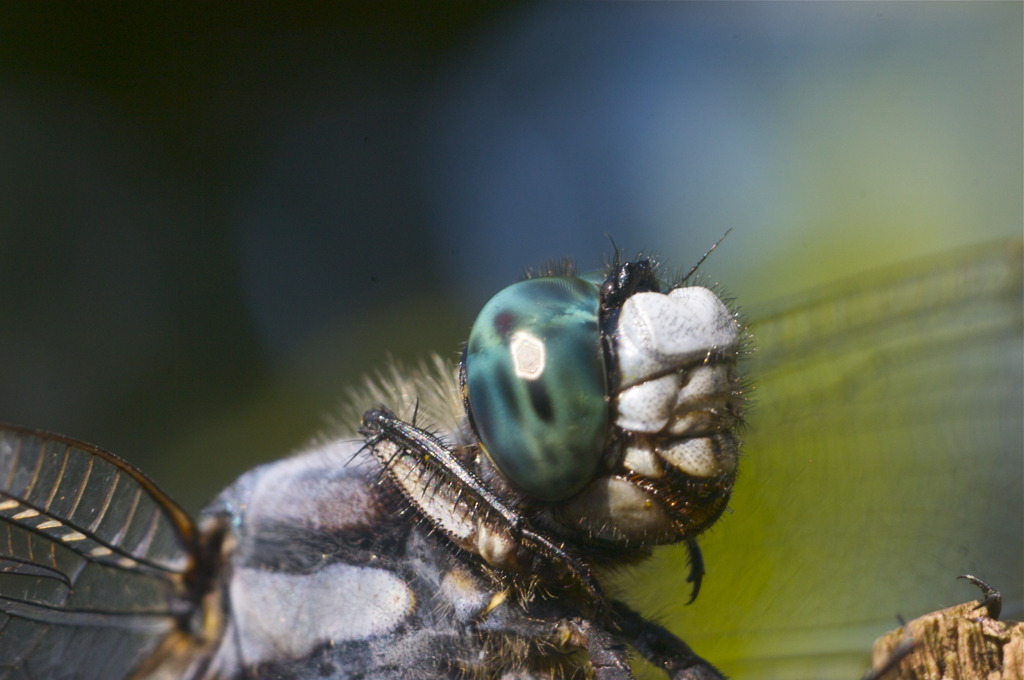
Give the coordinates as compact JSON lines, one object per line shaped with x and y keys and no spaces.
{"x":959,"y":643}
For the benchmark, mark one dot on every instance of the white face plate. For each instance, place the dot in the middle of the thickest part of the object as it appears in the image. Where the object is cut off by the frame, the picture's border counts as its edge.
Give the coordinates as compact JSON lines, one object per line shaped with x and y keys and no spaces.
{"x":678,"y":388}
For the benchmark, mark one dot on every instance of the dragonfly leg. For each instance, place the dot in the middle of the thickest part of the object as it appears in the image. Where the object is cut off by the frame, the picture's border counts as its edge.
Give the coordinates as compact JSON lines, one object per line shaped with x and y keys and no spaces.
{"x":661,"y":648}
{"x":609,"y":656}
{"x":440,"y":486}
{"x":697,"y":571}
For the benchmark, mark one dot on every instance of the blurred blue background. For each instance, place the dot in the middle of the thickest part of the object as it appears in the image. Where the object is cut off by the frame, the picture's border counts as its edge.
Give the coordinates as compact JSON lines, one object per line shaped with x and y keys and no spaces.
{"x":211,"y":223}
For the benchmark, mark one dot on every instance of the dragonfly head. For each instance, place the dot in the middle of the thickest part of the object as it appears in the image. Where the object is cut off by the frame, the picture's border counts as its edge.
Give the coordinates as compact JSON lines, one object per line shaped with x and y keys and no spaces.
{"x":609,"y":404}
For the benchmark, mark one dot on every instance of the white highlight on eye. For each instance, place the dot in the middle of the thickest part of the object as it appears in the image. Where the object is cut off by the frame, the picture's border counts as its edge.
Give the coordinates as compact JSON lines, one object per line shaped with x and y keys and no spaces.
{"x":289,"y":615}
{"x":528,"y":355}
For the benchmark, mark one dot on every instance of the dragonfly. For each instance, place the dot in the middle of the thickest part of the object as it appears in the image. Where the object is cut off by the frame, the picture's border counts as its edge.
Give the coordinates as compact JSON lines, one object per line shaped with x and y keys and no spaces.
{"x":487,"y":519}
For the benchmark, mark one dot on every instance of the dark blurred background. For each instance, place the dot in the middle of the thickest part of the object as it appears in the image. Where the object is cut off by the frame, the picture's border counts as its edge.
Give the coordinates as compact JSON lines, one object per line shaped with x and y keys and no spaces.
{"x":211,"y":222}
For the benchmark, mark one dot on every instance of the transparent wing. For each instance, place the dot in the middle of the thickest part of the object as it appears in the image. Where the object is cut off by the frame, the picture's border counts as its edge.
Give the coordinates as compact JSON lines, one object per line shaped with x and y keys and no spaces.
{"x":884,"y":458}
{"x":92,"y":557}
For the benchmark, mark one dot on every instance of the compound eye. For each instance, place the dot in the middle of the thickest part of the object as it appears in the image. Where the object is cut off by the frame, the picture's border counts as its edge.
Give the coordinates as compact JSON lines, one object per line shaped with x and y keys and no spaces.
{"x":536,"y":383}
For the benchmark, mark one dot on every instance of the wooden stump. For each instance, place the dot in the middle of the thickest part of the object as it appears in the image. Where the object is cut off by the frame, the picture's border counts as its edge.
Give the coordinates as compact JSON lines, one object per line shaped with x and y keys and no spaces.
{"x":965,"y":642}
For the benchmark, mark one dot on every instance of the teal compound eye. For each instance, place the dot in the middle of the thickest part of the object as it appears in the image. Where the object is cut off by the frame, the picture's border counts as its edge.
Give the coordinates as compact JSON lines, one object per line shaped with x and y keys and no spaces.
{"x":536,"y":384}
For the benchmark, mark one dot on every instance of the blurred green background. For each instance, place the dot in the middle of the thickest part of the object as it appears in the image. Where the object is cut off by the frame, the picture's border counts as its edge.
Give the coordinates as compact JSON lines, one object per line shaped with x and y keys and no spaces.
{"x":212,"y":222}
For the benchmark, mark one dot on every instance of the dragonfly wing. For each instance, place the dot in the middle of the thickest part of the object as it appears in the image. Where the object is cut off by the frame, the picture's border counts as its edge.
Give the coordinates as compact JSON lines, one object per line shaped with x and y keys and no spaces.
{"x":92,"y":560}
{"x":883,"y":458}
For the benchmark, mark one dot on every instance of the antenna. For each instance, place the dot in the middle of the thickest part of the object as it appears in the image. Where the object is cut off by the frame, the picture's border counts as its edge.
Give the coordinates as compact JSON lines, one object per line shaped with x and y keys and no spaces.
{"x":695,"y":267}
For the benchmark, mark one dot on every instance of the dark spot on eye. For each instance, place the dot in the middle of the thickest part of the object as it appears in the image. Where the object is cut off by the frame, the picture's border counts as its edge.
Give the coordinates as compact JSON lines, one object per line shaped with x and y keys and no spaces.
{"x":503,"y":383}
{"x":540,"y":399}
{"x":505,"y":323}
